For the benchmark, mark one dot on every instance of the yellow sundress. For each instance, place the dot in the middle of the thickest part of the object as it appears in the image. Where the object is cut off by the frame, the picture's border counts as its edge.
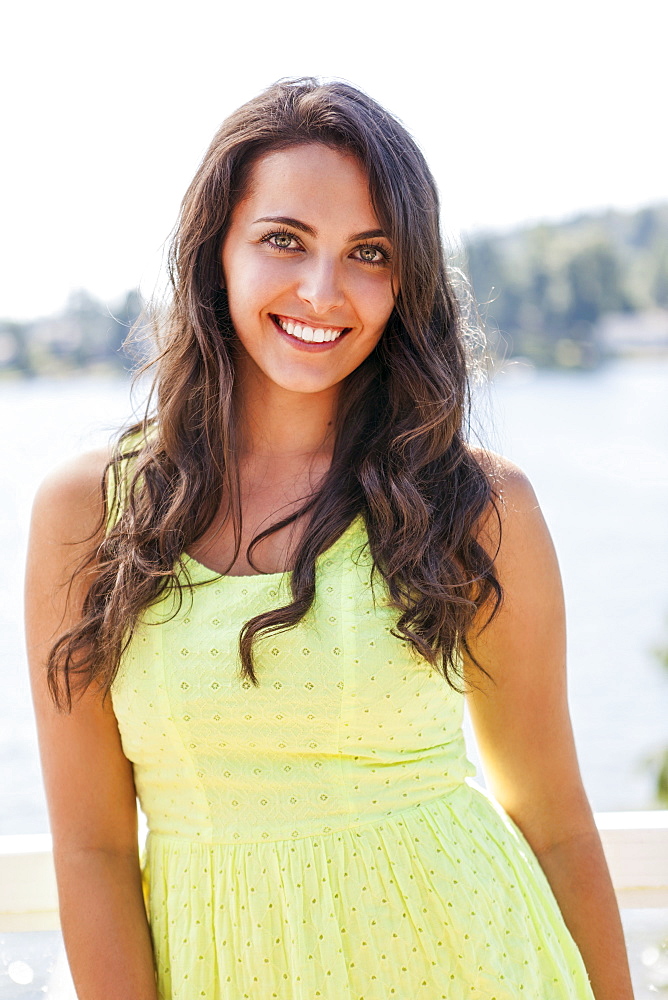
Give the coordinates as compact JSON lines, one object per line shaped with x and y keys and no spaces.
{"x":320,"y":837}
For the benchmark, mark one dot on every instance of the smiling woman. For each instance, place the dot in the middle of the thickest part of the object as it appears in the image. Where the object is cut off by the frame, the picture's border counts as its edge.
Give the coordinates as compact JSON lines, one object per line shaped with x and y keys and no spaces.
{"x":289,"y":575}
{"x":315,"y":286}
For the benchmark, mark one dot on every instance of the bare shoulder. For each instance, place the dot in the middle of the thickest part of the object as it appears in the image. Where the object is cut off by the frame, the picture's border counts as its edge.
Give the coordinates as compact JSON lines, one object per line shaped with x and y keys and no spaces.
{"x":514,"y":503}
{"x":509,"y":482}
{"x":87,"y":777}
{"x":69,"y":502}
{"x":66,"y":528}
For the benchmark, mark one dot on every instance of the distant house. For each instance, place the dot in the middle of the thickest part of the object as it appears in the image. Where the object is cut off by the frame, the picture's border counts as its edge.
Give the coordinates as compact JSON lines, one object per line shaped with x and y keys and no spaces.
{"x":630,"y":333}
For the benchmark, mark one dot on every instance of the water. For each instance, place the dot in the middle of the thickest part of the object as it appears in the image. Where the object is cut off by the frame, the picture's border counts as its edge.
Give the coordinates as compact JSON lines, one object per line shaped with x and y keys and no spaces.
{"x":595,"y":446}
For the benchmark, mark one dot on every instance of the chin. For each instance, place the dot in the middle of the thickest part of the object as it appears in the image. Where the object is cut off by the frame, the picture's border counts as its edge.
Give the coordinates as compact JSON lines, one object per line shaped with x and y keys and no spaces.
{"x":304,"y":386}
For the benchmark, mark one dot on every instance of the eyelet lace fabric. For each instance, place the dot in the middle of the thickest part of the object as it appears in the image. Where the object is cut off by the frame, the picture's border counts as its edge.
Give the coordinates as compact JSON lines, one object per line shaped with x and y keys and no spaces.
{"x":321,"y":837}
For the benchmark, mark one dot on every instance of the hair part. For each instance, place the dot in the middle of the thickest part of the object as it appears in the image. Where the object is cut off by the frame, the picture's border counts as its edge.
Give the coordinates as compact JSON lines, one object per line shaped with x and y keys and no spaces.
{"x":400,"y":456}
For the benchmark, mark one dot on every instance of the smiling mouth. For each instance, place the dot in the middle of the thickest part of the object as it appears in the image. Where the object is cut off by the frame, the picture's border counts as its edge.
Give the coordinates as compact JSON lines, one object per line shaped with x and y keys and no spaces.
{"x":309,"y":334}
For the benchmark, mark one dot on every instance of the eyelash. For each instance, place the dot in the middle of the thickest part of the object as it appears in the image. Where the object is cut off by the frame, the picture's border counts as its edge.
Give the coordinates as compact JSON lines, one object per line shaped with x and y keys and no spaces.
{"x":385,"y":253}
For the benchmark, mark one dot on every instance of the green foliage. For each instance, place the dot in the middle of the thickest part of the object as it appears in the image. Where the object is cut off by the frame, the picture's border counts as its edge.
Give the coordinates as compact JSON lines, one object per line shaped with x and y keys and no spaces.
{"x":661,"y":655}
{"x":546,"y":288}
{"x":662,"y":780}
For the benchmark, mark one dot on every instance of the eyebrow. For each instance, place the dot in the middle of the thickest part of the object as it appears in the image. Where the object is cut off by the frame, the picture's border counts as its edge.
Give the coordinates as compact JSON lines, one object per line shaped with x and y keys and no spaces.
{"x":310,"y":231}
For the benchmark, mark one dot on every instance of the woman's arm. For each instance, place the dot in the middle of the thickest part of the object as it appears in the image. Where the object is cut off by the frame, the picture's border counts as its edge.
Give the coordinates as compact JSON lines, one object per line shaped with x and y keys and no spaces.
{"x":524,"y":733}
{"x":89,"y":783}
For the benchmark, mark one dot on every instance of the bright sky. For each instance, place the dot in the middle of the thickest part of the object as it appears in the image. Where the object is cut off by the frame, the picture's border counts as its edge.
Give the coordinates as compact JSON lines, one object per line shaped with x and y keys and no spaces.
{"x":525,"y":110}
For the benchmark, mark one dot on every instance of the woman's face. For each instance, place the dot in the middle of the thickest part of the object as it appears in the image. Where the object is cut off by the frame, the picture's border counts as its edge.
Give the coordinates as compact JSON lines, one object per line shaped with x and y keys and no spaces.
{"x":307,"y":269}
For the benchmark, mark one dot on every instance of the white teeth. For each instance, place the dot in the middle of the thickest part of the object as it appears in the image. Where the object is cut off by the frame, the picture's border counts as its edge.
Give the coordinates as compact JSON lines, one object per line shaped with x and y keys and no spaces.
{"x":307,"y":333}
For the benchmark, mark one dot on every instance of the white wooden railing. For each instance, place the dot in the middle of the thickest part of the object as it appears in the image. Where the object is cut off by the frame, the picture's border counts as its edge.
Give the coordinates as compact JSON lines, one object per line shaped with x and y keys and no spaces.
{"x":635,"y":844}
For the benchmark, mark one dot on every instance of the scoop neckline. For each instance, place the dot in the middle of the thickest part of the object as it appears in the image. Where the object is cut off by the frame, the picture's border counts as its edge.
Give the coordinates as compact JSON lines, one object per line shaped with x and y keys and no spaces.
{"x":191,"y":563}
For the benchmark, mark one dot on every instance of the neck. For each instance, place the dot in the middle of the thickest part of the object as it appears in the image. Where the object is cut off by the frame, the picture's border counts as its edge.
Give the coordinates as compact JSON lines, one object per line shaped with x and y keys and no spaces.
{"x":277,"y":423}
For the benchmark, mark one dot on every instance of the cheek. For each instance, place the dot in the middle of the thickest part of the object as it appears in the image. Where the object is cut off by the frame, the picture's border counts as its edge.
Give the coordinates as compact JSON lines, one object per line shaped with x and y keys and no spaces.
{"x":253,"y":284}
{"x":375,"y":299}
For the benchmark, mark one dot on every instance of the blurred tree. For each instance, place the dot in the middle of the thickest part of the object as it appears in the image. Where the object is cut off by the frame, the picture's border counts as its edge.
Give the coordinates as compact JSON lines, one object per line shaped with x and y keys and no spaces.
{"x":15,"y":348}
{"x":662,"y":768}
{"x":486,"y":263}
{"x":547,"y":287}
{"x":659,"y":285}
{"x":646,"y":227}
{"x":91,"y":332}
{"x":595,"y":280}
{"x":86,"y":325}
{"x":125,"y":317}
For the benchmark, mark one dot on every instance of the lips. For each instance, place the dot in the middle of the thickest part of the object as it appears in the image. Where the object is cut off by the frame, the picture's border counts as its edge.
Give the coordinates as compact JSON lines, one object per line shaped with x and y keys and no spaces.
{"x":306,"y":334}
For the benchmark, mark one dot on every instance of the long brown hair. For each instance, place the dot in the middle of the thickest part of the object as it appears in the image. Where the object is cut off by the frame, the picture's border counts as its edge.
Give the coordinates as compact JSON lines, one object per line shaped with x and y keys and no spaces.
{"x":400,"y":454}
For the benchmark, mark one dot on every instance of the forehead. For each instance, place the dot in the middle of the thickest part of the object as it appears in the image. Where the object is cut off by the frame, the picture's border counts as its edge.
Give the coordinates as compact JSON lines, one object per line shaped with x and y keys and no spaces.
{"x":314,"y":179}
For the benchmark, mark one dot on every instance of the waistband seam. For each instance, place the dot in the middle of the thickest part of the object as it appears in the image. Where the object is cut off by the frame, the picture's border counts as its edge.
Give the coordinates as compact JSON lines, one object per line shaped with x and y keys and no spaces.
{"x":390,"y":816}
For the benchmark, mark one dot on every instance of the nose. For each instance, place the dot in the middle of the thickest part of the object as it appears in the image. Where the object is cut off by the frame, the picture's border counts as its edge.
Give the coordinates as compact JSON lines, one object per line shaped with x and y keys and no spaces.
{"x":321,"y":285}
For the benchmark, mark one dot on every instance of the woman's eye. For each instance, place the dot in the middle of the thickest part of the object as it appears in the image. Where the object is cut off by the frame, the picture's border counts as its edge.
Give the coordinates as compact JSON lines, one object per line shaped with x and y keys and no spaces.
{"x":373,"y":255}
{"x":282,"y":241}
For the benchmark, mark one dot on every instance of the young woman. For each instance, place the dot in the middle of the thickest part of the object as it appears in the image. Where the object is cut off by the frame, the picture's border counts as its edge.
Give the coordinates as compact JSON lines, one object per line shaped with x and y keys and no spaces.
{"x":261,"y":610}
